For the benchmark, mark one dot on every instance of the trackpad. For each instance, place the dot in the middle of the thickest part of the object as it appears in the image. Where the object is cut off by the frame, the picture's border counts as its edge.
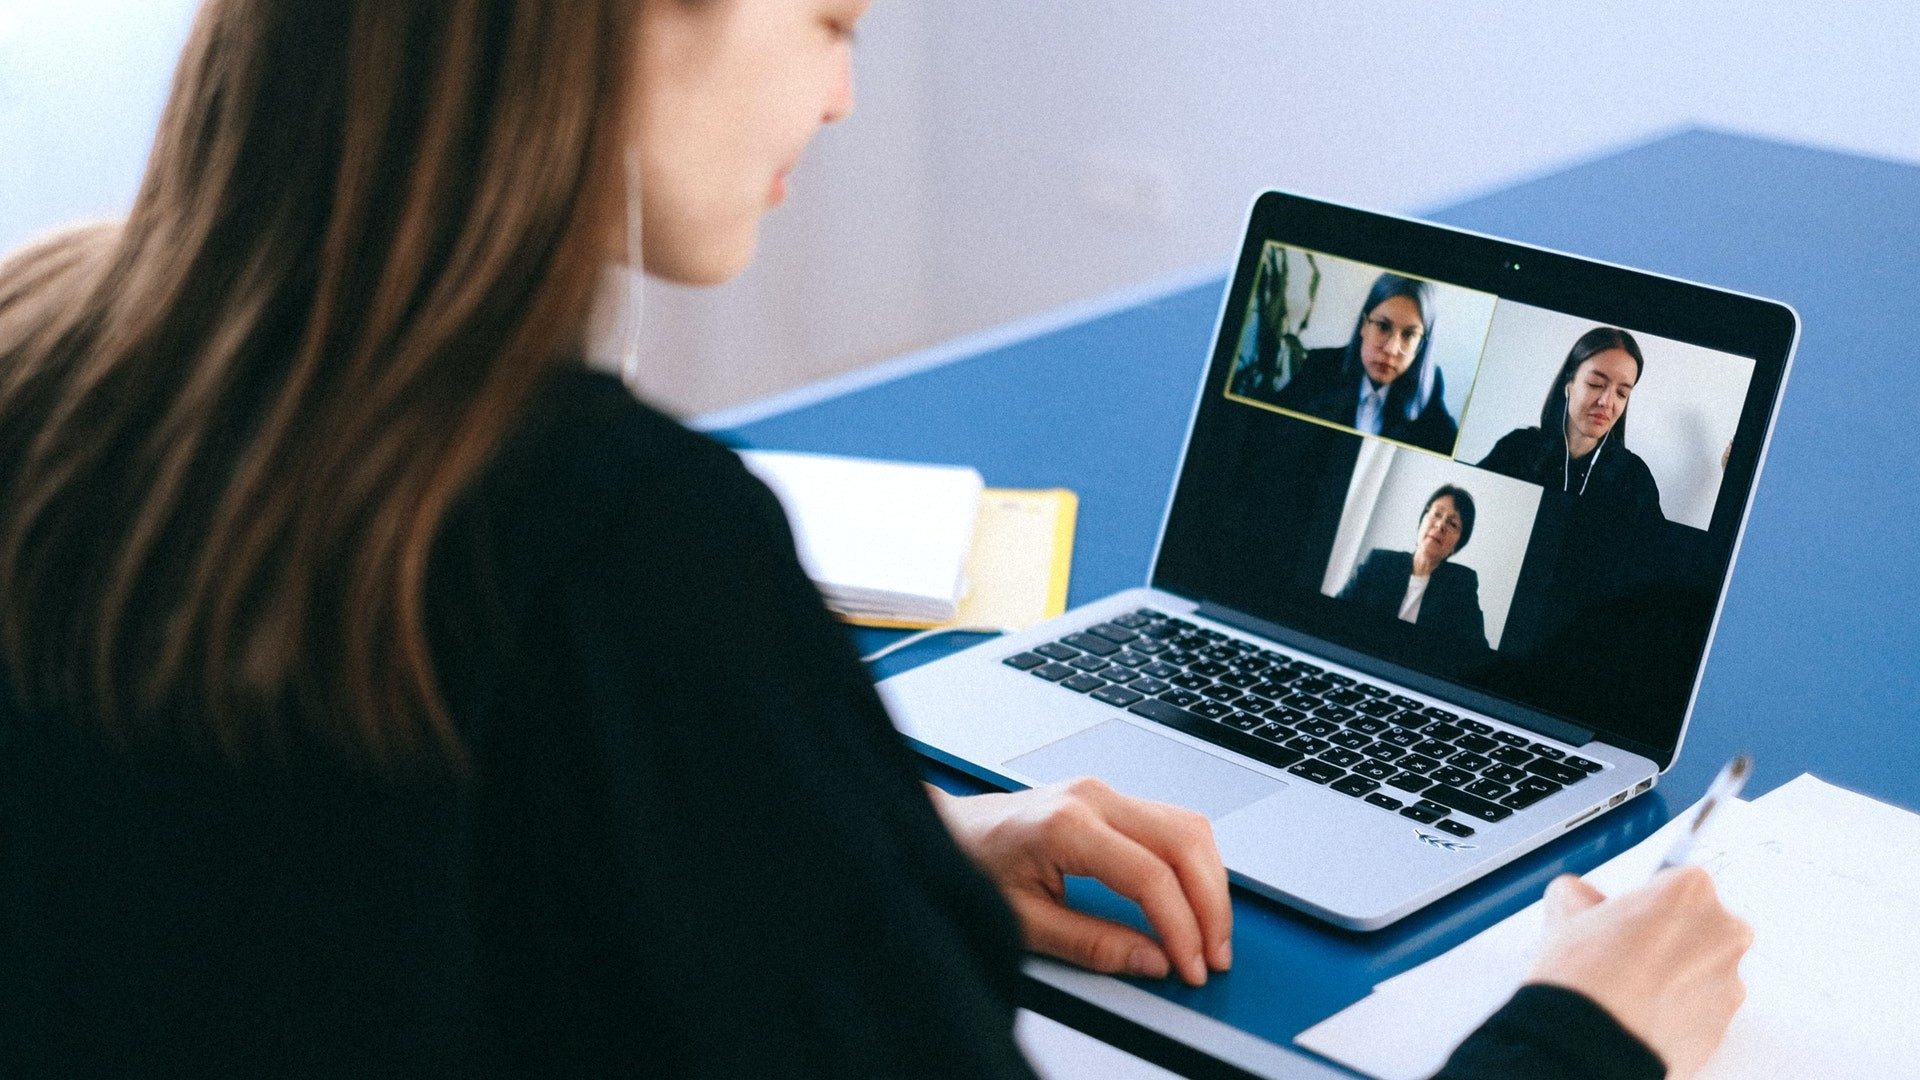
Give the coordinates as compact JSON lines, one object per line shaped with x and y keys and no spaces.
{"x":1146,"y":766}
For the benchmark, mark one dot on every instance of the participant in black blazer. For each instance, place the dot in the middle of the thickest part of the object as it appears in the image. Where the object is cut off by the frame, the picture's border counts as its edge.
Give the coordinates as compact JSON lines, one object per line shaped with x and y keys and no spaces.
{"x":1383,"y":381}
{"x":1451,"y":604}
{"x":1447,"y":601}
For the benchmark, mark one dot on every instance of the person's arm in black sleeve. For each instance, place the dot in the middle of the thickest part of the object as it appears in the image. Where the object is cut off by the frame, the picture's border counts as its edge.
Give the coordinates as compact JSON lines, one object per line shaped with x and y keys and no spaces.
{"x":796,"y":906}
{"x":1551,"y":1033}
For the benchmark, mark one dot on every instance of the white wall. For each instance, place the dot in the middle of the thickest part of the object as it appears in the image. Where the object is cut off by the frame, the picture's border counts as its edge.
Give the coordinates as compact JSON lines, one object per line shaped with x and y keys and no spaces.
{"x":1681,"y":416}
{"x":1007,"y":157}
{"x":1390,"y":489}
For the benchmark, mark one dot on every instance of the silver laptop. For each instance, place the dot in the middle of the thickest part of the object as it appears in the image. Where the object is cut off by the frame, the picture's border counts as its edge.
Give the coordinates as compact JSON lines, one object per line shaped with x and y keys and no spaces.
{"x":1438,"y":575}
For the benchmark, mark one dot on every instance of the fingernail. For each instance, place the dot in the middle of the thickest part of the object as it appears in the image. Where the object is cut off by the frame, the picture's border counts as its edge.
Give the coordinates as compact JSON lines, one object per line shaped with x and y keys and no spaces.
{"x":1148,"y":962}
{"x":1223,"y":956}
{"x":1196,"y":970}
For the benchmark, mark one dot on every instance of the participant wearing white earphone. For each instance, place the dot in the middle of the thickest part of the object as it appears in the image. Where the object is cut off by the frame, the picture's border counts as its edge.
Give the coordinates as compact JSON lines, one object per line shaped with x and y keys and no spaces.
{"x":1583,"y":431}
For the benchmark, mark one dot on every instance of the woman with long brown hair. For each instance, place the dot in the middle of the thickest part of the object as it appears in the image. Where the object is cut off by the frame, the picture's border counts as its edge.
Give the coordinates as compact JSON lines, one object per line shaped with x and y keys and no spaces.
{"x":382,"y":692}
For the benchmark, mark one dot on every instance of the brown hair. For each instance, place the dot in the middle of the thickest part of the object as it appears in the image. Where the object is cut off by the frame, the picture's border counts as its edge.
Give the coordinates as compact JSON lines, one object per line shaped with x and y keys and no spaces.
{"x":231,"y":426}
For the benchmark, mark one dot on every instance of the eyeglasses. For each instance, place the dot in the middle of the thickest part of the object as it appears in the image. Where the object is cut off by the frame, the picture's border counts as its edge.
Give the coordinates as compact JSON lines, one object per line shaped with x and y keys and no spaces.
{"x":1408,"y":336}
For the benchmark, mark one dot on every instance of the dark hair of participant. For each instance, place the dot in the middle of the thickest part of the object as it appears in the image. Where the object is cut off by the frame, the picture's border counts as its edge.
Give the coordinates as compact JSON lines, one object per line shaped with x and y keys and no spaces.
{"x":1463,"y":503}
{"x":232,"y":424}
{"x":1553,"y":413}
{"x":1409,"y":394}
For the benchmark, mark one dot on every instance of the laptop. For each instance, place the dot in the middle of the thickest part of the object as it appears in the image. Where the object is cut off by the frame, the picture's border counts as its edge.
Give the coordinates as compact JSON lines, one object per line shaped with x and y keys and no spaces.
{"x":1438,"y":575}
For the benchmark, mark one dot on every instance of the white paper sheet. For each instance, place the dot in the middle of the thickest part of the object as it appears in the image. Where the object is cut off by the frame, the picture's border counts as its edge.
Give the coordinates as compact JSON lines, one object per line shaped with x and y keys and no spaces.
{"x":1831,"y":882}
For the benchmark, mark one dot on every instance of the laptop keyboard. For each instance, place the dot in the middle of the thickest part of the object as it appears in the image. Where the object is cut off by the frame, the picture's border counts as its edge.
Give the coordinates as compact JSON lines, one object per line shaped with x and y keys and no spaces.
{"x":1385,"y":749}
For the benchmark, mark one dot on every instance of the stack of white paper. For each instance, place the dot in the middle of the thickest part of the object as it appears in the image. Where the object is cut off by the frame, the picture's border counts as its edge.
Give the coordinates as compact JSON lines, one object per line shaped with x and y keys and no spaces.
{"x":881,"y":539}
{"x":1830,"y":880}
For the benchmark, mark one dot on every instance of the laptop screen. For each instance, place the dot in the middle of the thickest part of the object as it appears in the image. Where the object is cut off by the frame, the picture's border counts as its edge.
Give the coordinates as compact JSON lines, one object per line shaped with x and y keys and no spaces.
{"x":1508,"y":471}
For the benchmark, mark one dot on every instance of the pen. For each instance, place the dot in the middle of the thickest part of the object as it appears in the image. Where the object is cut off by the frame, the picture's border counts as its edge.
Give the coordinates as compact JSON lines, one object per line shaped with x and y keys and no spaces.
{"x":1725,"y":786}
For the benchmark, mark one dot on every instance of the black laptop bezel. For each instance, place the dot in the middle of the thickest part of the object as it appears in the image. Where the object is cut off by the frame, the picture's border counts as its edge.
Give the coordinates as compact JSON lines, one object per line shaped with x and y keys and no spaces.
{"x":1764,"y":331}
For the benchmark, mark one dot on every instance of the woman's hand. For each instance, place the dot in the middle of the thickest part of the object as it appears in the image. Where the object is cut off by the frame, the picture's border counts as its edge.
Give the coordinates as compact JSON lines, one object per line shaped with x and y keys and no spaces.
{"x":1664,"y":960}
{"x":1161,"y":857}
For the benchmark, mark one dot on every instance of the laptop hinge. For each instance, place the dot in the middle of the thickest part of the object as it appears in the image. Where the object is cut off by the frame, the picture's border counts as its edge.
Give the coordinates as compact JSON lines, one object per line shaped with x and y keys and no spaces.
{"x":1472,"y":700}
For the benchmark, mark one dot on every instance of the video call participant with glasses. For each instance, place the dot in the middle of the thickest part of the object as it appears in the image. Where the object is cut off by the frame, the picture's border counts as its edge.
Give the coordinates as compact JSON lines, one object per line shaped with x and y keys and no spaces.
{"x":385,"y":694}
{"x":1382,"y":382}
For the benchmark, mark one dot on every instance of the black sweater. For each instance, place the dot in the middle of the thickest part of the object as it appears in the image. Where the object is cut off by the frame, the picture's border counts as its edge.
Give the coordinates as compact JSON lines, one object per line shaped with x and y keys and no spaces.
{"x":691,"y":844}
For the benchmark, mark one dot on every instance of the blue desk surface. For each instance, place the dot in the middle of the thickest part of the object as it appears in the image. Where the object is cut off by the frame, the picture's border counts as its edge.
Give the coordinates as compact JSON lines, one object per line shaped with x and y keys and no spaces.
{"x":1816,"y":665}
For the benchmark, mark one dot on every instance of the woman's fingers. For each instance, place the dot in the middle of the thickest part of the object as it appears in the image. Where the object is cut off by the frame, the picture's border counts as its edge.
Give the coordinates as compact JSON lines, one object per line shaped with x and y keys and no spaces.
{"x":1093,"y":943}
{"x":1090,"y":845}
{"x":1185,"y":841}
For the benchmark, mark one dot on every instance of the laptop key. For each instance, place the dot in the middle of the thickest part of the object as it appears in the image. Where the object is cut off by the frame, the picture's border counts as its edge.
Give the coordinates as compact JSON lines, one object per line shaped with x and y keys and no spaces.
{"x":1476,"y":726}
{"x":1133,"y":620}
{"x":1419,"y":763}
{"x":1052,"y":672}
{"x":1221,"y":692}
{"x":1083,"y":682}
{"x":1098,"y":646}
{"x":1379,"y":710}
{"x":1280,"y":714}
{"x":1409,"y":782}
{"x":1352,"y":740}
{"x":1384,"y":801}
{"x":1340,"y":756}
{"x":1510,"y":755}
{"x":1275,"y":733}
{"x":1511,"y":739}
{"x":1242,"y":721}
{"x":1160,"y":669}
{"x":1187,"y":680}
{"x":1242,"y":680}
{"x":1089,"y":663}
{"x":1339,"y":680}
{"x":1585,"y":766}
{"x":1148,"y":685}
{"x":1180,"y":698}
{"x":1503,"y":774}
{"x":1457,"y":828}
{"x":1442,"y":731}
{"x":1210,"y":668}
{"x":1149,"y":646}
{"x":1451,"y":775}
{"x":1025,"y":661}
{"x":1383,"y":751}
{"x":1471,"y":805}
{"x":1402,"y":738}
{"x":1468,"y":760}
{"x":1053,"y":650}
{"x":1371,"y":690}
{"x":1355,"y":786}
{"x":1555,"y":771}
{"x":1303,"y":702}
{"x":1212,"y":710}
{"x":1375,"y":770}
{"x":1487,"y":789}
{"x":1334,"y":711}
{"x":1405,"y":702}
{"x":1118,"y":696}
{"x":1433,"y":748}
{"x":1315,"y":686}
{"x":1479,"y":744}
{"x":1540,"y":784}
{"x":1434,"y":712}
{"x":1317,"y":727}
{"x":1346,"y":696}
{"x":1523,"y":798}
{"x":1133,"y":659}
{"x":1548,"y":752}
{"x":1422,"y":814}
{"x":1307,"y":744}
{"x":1317,"y":771}
{"x":1367,"y":725}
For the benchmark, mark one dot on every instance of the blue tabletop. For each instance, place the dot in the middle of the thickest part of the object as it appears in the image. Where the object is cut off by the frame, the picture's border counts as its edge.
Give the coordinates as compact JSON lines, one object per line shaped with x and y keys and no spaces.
{"x":1814,"y":665}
